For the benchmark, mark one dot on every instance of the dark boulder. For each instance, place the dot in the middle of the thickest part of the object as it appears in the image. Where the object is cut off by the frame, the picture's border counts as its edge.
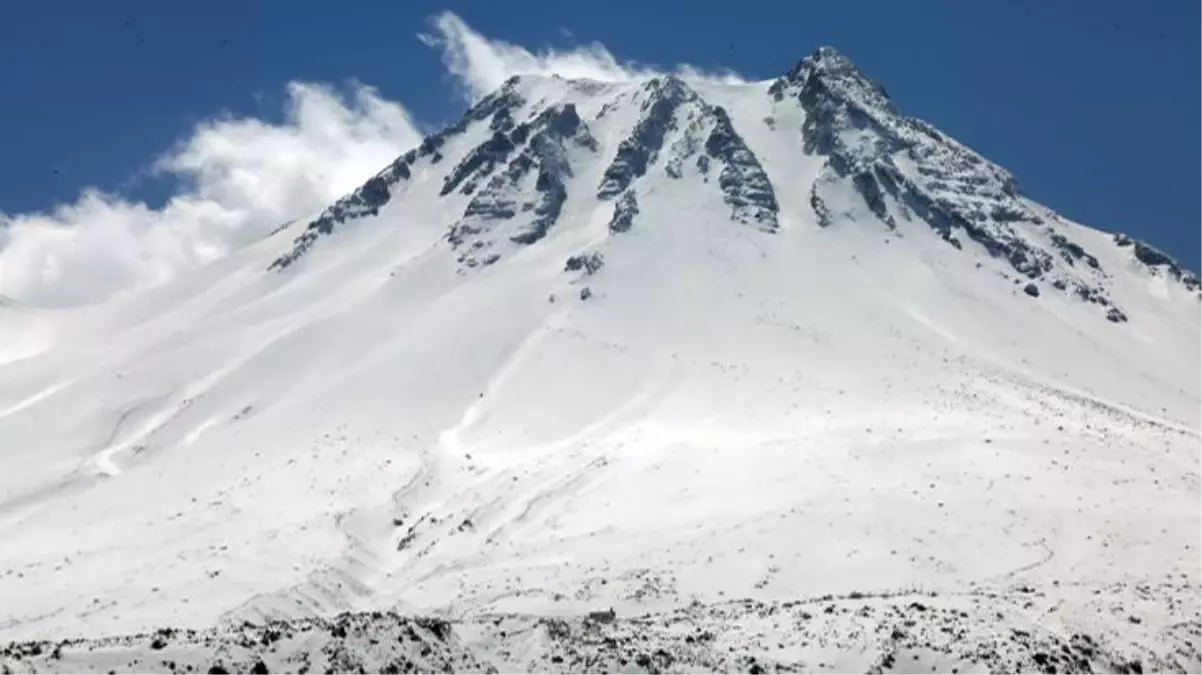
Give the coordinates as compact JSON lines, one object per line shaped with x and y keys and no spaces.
{"x":589,"y":262}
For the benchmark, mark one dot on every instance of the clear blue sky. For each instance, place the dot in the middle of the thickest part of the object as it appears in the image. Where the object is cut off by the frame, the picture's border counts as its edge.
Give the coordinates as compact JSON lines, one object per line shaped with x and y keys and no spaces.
{"x":1094,"y":106}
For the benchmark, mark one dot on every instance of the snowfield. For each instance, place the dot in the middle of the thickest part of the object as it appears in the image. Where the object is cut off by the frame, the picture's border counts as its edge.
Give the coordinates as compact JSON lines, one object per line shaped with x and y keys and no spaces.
{"x":714,"y":356}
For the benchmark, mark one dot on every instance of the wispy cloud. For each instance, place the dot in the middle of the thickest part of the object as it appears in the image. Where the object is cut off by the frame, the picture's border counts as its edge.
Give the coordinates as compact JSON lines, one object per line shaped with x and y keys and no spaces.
{"x":481,"y":64}
{"x":241,"y":178}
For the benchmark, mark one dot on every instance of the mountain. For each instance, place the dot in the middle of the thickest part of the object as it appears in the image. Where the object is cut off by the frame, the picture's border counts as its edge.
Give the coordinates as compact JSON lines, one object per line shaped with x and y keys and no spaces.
{"x":656,"y":346}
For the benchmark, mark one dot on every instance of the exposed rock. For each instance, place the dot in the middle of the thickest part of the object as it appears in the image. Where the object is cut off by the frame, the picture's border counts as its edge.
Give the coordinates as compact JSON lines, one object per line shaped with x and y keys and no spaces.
{"x":1157,"y":259}
{"x":1072,"y":252}
{"x":1031,"y":290}
{"x":688,"y":142}
{"x":365,"y":201}
{"x":502,"y":120}
{"x":589,"y":262}
{"x":376,"y":192}
{"x":868,"y":186}
{"x":508,"y":193}
{"x":669,"y":105}
{"x":637,"y":151}
{"x":482,"y":159}
{"x":821,"y":212}
{"x":902,"y":166}
{"x":745,"y":185}
{"x":1091,"y":294}
{"x":625,"y":209}
{"x":498,"y":105}
{"x":552,"y":168}
{"x":547,"y":150}
{"x":602,"y":616}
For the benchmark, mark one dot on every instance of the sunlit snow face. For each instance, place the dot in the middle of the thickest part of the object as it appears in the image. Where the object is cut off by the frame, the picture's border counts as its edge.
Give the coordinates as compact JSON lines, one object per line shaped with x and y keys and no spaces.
{"x":619,"y":344}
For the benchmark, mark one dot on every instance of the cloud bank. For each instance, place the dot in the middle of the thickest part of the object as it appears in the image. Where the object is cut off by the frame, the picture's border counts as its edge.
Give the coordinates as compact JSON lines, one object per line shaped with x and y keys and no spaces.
{"x":240,"y":177}
{"x":243,"y":177}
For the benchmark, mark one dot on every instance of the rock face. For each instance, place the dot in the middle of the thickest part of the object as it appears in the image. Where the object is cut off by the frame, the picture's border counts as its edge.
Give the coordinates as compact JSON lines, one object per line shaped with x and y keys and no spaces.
{"x":481,"y":161}
{"x":625,"y":209}
{"x":745,"y":185}
{"x":903,"y":168}
{"x":365,"y":201}
{"x":641,"y":148}
{"x":1158,"y":260}
{"x":672,"y":108}
{"x":376,"y":192}
{"x":533,"y":183}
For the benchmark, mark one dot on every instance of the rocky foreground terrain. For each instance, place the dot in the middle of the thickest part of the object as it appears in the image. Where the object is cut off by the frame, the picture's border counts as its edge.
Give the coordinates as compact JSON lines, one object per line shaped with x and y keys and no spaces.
{"x":1013,"y":629}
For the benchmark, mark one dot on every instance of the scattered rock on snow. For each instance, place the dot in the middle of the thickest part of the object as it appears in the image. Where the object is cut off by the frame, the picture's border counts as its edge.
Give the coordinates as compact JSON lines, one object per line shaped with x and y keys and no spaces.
{"x":589,"y":262}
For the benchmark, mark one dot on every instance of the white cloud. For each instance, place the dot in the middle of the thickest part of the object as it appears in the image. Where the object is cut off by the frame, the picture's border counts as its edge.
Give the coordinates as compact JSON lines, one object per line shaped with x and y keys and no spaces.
{"x":481,"y":64}
{"x":242,"y":177}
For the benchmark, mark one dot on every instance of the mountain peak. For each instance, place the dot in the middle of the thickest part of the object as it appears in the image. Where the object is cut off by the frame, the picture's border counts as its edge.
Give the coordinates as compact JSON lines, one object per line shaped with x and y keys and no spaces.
{"x":828,"y":57}
{"x":827,"y":72}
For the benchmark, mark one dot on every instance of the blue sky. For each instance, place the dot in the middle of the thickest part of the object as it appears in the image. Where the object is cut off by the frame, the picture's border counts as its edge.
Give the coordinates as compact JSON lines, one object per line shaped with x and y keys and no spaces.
{"x":1093,"y":106}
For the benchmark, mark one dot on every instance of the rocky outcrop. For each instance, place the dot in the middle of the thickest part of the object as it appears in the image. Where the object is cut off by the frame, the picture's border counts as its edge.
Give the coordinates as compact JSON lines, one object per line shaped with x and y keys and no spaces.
{"x":1071,"y":252}
{"x":625,"y":209}
{"x":589,"y":263}
{"x":637,"y":151}
{"x":498,"y":105}
{"x":508,"y":194}
{"x":365,"y":201}
{"x":851,"y":120}
{"x":481,"y":161}
{"x":1158,"y":260}
{"x":903,"y":168}
{"x":745,"y":185}
{"x":701,"y":131}
{"x":368,"y":199}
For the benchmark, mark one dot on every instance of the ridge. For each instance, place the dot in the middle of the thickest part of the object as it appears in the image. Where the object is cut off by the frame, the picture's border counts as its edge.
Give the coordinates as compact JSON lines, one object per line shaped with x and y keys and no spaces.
{"x":901,"y":169}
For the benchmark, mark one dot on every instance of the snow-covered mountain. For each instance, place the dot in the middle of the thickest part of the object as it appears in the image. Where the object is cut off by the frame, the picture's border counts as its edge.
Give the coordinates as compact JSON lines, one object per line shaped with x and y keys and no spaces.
{"x":636,"y":345}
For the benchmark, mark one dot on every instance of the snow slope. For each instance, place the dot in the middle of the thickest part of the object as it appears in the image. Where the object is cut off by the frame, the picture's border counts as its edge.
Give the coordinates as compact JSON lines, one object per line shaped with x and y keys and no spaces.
{"x":627,"y":345}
